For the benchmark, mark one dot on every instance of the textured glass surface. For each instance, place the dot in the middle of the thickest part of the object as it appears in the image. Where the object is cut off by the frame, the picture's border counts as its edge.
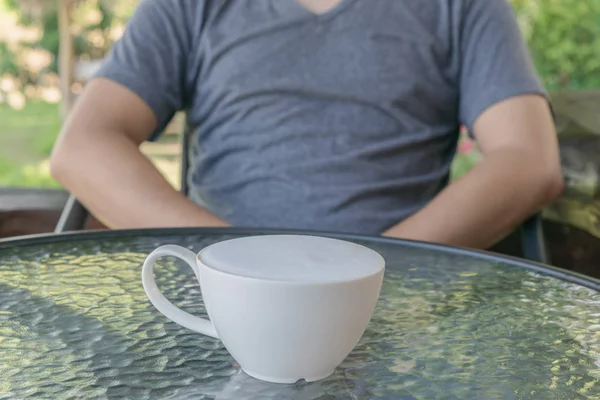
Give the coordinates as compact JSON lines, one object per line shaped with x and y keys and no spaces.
{"x":76,"y":323}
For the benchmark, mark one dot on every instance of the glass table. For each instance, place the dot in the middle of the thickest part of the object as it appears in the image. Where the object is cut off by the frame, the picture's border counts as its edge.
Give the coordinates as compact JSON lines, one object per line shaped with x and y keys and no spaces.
{"x":450,"y":324}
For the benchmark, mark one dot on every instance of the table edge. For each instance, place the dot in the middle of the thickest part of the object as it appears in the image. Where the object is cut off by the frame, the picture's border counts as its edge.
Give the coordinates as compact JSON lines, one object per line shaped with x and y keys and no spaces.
{"x":555,"y":272}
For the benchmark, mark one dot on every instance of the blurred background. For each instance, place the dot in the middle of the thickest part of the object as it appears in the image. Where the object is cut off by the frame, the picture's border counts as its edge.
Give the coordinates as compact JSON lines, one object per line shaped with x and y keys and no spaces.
{"x":49,"y":48}
{"x":31,"y":34}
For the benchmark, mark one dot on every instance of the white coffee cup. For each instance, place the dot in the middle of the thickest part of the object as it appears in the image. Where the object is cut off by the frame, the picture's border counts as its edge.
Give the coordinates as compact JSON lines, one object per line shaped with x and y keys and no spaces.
{"x":287,"y":307}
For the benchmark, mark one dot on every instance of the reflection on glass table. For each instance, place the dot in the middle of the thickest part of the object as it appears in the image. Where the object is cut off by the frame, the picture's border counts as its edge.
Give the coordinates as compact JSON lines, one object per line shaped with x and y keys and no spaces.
{"x":450,"y":323}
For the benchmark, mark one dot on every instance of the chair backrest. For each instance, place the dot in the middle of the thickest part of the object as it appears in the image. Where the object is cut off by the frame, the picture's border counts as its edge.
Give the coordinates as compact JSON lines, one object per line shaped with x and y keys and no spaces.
{"x":533,"y":240}
{"x":73,"y":216}
{"x":186,"y":150}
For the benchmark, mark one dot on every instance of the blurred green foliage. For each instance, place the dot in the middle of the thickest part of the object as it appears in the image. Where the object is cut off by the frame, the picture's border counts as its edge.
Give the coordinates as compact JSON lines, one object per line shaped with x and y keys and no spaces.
{"x":43,"y":15}
{"x":83,"y":45}
{"x":563,"y":35}
{"x":564,"y":40}
{"x":37,"y":124}
{"x":26,"y":140}
{"x":30,"y":175}
{"x":8,"y":65}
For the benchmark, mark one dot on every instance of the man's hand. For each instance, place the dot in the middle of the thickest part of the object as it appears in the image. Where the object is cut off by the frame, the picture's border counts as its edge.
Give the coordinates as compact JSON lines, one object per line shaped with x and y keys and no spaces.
{"x":520,"y":173}
{"x":97,"y":158}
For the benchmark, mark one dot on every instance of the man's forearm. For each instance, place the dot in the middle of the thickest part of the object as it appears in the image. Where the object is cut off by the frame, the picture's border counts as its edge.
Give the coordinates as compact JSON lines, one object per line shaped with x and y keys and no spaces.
{"x":120,"y":186}
{"x":486,"y":204}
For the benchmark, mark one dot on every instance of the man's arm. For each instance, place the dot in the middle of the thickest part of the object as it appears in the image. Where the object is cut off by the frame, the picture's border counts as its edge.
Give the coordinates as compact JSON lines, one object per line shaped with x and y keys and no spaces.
{"x":97,"y":158}
{"x":502,"y":103}
{"x":142,"y":83}
{"x":520,"y":172}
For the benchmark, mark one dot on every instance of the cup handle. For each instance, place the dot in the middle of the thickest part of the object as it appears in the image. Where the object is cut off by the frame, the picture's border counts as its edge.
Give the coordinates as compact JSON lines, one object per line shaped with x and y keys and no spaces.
{"x":161,"y":303}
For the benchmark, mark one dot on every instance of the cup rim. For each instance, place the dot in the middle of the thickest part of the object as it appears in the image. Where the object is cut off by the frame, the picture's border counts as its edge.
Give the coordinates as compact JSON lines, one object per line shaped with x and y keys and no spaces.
{"x":380,"y":269}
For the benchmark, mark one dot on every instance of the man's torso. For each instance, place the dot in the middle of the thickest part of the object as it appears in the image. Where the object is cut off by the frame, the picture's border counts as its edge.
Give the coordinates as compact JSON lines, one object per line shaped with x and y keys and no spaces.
{"x":345,"y":121}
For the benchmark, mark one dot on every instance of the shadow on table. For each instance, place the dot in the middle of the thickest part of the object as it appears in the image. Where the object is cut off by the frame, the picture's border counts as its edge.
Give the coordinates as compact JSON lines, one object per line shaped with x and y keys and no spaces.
{"x":59,"y":352}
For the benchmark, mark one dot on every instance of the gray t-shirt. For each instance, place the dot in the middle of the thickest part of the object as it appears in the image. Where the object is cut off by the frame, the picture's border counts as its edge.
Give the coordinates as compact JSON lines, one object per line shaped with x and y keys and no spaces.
{"x":347,"y":121}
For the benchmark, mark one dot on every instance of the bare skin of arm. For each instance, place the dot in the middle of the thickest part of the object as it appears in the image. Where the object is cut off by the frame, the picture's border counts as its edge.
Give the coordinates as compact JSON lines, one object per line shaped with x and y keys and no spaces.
{"x":97,"y":158}
{"x":519,"y":173}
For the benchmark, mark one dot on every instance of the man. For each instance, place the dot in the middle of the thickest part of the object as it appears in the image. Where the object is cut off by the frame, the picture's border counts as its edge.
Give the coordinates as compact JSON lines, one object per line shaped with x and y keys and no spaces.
{"x":336,"y":115}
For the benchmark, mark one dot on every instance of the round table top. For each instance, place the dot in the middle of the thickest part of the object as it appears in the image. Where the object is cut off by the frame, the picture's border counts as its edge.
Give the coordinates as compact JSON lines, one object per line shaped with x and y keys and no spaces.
{"x":75,"y":323}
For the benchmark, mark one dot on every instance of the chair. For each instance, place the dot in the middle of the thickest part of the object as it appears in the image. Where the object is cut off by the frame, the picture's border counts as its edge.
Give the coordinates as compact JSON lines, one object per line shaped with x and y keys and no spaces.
{"x":533,"y":240}
{"x":74,"y":214}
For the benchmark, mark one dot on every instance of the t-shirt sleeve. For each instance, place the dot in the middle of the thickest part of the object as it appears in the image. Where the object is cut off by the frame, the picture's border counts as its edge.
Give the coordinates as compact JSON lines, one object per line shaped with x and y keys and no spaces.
{"x":150,"y":58}
{"x":495,"y":61}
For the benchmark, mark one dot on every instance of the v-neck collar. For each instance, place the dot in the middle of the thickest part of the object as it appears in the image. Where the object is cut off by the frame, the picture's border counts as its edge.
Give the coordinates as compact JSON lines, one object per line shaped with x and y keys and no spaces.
{"x":294,"y":9}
